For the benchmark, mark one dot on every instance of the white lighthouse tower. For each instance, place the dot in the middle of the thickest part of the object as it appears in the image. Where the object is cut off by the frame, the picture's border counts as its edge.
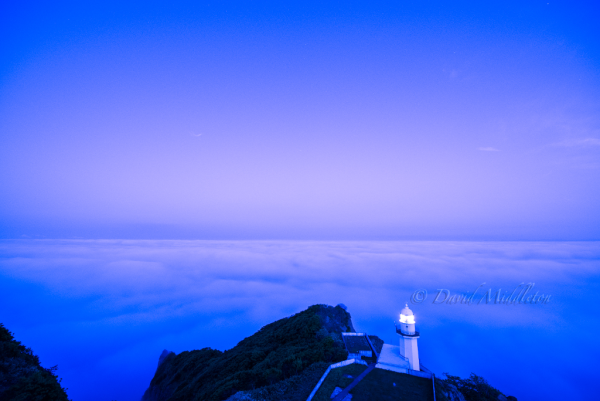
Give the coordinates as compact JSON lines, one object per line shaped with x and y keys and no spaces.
{"x":408,"y":337}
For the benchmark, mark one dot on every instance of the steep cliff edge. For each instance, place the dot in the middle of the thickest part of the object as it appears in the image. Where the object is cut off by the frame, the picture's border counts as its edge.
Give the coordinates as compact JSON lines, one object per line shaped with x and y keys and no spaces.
{"x":21,"y":375}
{"x":278,"y":352}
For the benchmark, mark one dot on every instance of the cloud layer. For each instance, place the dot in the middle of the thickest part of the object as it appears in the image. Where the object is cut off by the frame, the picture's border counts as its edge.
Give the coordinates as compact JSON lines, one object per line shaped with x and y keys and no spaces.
{"x":117,"y":304}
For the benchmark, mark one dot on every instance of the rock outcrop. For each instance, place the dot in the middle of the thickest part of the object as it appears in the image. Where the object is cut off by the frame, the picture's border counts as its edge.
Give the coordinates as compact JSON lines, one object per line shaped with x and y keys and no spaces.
{"x":278,"y":352}
{"x":21,"y":375}
{"x":163,"y":356}
{"x":448,"y":392}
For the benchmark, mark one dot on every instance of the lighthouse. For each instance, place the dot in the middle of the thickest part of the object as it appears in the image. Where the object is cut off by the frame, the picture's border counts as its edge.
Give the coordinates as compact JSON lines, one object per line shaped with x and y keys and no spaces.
{"x":408,"y":338}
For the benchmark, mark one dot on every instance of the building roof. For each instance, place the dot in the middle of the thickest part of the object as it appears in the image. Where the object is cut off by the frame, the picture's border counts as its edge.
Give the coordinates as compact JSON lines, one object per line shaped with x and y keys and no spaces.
{"x":406,"y":311}
{"x":356,"y":343}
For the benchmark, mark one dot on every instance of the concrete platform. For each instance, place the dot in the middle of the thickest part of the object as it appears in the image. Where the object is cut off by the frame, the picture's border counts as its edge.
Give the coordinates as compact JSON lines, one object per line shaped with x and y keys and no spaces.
{"x":390,"y":356}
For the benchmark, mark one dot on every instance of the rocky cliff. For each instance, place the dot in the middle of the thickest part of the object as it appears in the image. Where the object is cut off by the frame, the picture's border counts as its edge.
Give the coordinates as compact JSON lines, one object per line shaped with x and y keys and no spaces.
{"x":21,"y":375}
{"x":283,"y":356}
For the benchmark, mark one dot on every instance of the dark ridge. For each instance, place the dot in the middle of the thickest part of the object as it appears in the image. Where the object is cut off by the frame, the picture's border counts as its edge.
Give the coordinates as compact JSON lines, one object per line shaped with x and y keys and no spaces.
{"x":21,"y":375}
{"x":279,"y":351}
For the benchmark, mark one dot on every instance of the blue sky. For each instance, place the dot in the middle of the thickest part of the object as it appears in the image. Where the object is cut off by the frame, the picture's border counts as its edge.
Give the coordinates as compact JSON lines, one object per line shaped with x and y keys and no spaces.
{"x":261,"y":120}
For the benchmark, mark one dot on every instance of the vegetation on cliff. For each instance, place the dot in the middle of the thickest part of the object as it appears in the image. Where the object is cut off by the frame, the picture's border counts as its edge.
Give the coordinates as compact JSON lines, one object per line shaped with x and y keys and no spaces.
{"x":277,"y":352}
{"x":295,"y":388}
{"x":22,"y":378}
{"x":474,"y":388}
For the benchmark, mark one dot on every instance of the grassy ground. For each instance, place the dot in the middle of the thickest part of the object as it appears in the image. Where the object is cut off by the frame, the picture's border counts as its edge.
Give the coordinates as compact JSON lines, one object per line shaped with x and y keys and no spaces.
{"x":379,"y":386}
{"x":337,"y":378}
{"x":296,"y":388}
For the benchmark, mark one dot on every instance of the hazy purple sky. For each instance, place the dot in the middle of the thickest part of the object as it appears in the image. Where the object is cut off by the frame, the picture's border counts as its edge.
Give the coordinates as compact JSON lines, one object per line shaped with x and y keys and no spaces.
{"x":388,"y":120}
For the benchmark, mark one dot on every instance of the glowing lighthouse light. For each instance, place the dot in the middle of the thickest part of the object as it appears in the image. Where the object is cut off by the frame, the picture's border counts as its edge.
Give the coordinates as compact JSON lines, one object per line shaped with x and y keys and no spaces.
{"x":408,"y":319}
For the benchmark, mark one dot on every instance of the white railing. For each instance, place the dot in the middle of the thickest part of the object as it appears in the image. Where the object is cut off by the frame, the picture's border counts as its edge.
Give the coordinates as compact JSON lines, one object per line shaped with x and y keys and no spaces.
{"x":373,"y":348}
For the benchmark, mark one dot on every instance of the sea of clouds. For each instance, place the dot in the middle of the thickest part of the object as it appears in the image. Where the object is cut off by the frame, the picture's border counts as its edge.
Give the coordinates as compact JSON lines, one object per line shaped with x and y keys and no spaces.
{"x":103,"y":310}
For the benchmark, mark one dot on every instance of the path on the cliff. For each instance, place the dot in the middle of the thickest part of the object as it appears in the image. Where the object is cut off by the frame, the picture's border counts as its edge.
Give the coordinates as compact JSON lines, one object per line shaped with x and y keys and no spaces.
{"x":344,"y":392}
